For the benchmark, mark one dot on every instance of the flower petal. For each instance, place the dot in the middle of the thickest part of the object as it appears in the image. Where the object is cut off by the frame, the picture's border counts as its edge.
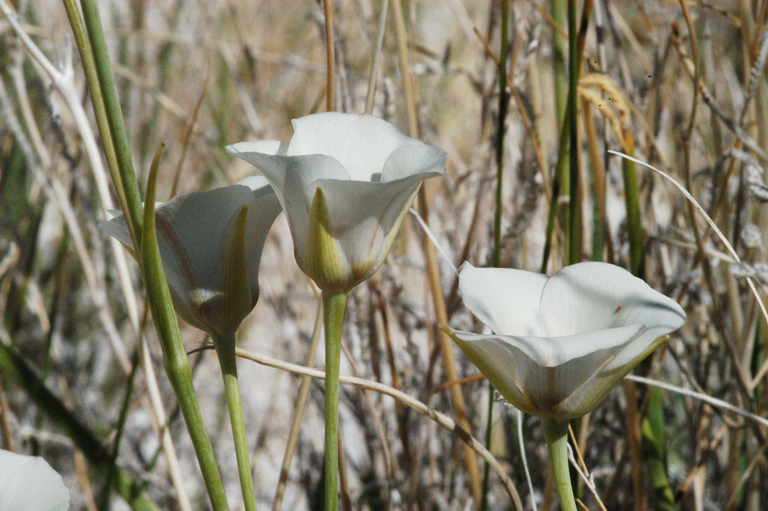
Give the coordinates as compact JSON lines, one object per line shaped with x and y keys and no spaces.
{"x":192,"y":237}
{"x":589,"y":394}
{"x":365,"y":218}
{"x":501,"y":362}
{"x":545,"y":371}
{"x":28,"y":483}
{"x":413,"y":158}
{"x":293,"y":179}
{"x":505,"y":299}
{"x":262,"y":146}
{"x":261,"y":215}
{"x":361,"y":143}
{"x":591,"y":296}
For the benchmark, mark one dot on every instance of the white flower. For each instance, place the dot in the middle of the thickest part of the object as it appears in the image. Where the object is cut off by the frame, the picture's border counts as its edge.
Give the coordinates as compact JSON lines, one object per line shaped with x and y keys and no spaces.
{"x":561,"y":343}
{"x":345,"y":182}
{"x":205,"y":238}
{"x":28,"y":483}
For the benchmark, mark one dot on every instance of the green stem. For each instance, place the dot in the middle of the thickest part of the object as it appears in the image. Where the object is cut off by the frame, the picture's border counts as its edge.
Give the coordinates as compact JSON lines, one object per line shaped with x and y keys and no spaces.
{"x":500,"y":132}
{"x":574,"y":214}
{"x":225,"y":348}
{"x":180,"y":374}
{"x":175,"y":359}
{"x":556,"y":434}
{"x":114,"y":114}
{"x":334,"y":306}
{"x":97,"y":100}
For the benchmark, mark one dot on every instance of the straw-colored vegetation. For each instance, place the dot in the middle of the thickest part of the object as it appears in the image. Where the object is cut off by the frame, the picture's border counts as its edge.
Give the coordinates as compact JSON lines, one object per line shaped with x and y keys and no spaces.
{"x":680,"y":85}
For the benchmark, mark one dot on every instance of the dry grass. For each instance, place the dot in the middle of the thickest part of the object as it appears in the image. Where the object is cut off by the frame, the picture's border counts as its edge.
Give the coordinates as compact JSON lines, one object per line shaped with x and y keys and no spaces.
{"x":251,"y":67}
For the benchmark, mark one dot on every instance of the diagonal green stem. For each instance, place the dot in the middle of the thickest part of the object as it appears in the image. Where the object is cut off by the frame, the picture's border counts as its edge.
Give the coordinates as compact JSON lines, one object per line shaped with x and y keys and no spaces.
{"x":114,"y":114}
{"x":145,"y":240}
{"x":334,"y":306}
{"x":174,"y":355}
{"x":556,"y":434}
{"x":225,"y":348}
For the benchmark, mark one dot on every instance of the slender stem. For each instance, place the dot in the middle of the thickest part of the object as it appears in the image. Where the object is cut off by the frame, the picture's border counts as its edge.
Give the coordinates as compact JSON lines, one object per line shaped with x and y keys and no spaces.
{"x":114,"y":114}
{"x":180,"y":374}
{"x":97,"y":100}
{"x":373,"y":76}
{"x":556,"y":434}
{"x":330,"y":93}
{"x":175,"y":358}
{"x":334,"y":306}
{"x":500,"y":132}
{"x":574,"y":213}
{"x":225,"y":348}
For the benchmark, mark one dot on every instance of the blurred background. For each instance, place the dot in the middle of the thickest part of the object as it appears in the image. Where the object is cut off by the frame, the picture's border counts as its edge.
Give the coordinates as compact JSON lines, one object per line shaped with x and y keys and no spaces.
{"x":198,"y":75}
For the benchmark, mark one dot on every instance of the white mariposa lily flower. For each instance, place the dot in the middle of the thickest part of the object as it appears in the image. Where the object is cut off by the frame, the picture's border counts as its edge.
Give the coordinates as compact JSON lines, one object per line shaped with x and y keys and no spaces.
{"x":561,"y":343}
{"x":198,"y":236}
{"x":345,"y":182}
{"x":28,"y":483}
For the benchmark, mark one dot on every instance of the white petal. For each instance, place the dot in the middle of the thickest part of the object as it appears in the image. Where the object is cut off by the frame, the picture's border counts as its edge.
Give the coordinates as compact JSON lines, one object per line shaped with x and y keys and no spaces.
{"x":502,"y":363}
{"x":192,"y":237}
{"x":361,"y":143}
{"x":191,"y":231}
{"x":505,"y":299}
{"x":365,"y":216}
{"x":29,"y":483}
{"x":118,"y":229}
{"x":257,"y":184}
{"x":546,"y":371}
{"x":260,"y":146}
{"x":591,"y":296}
{"x":261,"y":215}
{"x":590,"y":393}
{"x":413,"y":158}
{"x":293,"y":179}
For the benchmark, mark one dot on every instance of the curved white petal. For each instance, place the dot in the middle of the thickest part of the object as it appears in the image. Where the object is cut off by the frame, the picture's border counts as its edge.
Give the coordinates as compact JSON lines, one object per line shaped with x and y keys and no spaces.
{"x":262,"y":212}
{"x":260,"y":146}
{"x":29,"y":483}
{"x":361,"y":143}
{"x":193,"y":239}
{"x":502,"y":363}
{"x":505,"y":299}
{"x":588,"y":395}
{"x":546,"y":371}
{"x":413,"y":158}
{"x":592,"y":295}
{"x":293,"y":179}
{"x":364,"y":217}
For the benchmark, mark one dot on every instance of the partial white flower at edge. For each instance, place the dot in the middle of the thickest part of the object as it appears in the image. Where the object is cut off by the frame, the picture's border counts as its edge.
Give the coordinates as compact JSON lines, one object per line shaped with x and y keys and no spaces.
{"x":561,"y":343}
{"x":345,"y":182}
{"x":197,"y":234}
{"x":28,"y":483}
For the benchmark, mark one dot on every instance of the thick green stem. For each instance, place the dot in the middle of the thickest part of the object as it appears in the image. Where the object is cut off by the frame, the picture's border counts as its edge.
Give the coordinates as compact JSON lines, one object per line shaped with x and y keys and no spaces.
{"x":556,"y":434}
{"x":225,"y":348}
{"x":334,"y":306}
